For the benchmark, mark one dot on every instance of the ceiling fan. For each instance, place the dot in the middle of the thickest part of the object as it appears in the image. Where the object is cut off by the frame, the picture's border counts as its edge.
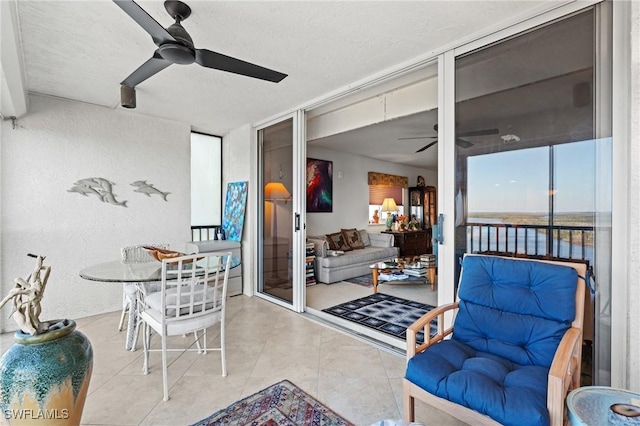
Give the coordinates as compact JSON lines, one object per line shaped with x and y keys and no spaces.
{"x":462,"y":143}
{"x":175,"y":46}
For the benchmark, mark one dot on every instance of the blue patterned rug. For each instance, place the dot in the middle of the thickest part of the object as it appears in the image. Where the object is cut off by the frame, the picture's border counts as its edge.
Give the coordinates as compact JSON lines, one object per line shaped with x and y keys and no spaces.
{"x":281,"y":404}
{"x":388,"y":314}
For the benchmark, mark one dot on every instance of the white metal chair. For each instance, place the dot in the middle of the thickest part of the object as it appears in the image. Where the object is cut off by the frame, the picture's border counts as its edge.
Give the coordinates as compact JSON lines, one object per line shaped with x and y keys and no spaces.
{"x":192,"y":298}
{"x":134,"y":254}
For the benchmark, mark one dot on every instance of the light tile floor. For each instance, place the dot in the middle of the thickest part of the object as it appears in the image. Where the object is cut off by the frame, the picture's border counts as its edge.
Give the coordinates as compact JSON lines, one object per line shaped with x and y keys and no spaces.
{"x":265,"y":344}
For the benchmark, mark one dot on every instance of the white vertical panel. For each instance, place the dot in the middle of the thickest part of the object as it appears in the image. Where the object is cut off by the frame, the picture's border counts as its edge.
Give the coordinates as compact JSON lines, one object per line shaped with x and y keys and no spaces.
{"x":446,"y":176}
{"x":622,"y":205}
{"x":206,"y":180}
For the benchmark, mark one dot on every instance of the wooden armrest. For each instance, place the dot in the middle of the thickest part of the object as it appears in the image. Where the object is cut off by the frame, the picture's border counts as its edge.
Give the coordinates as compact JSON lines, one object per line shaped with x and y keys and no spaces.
{"x":424,"y":324}
{"x":564,"y":374}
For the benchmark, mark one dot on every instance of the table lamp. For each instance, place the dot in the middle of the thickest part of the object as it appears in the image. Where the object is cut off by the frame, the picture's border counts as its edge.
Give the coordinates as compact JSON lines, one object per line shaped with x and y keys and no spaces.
{"x":389,"y":206}
{"x":274,"y":192}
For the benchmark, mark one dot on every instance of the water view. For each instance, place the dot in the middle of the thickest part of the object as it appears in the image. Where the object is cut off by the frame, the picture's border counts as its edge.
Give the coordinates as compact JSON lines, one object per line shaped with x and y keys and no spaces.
{"x":572,"y":234}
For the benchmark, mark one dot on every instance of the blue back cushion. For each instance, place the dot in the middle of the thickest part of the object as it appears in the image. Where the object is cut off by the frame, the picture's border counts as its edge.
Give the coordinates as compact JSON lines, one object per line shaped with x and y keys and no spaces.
{"x":516,"y":309}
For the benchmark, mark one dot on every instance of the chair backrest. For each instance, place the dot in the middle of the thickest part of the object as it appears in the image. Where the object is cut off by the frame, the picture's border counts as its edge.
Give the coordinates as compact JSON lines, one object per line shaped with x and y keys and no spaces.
{"x":138,"y":254}
{"x":194,"y":285}
{"x":517,"y":309}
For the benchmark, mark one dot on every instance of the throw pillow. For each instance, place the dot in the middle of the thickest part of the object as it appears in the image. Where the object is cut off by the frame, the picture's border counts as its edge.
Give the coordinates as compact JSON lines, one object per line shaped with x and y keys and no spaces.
{"x":364,"y":237}
{"x":337,"y":241}
{"x":353,"y":238}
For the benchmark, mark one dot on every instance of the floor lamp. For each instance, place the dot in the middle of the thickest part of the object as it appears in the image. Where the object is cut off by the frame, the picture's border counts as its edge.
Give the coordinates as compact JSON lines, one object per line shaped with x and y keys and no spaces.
{"x":274,"y":192}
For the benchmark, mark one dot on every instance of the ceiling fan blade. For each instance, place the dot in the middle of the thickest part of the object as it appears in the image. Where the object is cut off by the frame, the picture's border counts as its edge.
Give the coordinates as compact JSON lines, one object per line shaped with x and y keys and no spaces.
{"x":427,"y":146}
{"x":418,"y":137}
{"x":218,"y":61}
{"x":463,"y":143}
{"x":146,"y":70}
{"x":483,"y":132}
{"x":150,"y":25}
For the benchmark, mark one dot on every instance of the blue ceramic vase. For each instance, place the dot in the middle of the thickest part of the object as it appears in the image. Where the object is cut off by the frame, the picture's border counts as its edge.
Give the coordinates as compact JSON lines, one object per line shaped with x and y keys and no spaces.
{"x":44,"y":378}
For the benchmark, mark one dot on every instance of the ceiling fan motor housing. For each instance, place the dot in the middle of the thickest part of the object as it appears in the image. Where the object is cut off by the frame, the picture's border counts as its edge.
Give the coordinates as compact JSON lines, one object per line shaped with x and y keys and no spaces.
{"x":181,"y":52}
{"x":177,"y":53}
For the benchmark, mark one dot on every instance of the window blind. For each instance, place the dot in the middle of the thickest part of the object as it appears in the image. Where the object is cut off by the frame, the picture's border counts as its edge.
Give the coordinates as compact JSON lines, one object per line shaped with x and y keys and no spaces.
{"x":378,"y":193}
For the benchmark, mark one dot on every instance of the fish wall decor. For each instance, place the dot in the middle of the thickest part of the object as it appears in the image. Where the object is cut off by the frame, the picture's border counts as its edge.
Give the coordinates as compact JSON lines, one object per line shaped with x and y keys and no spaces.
{"x":100,"y":187}
{"x":148,"y":189}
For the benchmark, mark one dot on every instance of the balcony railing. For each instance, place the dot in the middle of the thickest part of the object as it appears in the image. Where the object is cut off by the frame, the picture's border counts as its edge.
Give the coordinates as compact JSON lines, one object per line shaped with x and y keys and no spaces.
{"x":561,"y":241}
{"x":203,"y":233}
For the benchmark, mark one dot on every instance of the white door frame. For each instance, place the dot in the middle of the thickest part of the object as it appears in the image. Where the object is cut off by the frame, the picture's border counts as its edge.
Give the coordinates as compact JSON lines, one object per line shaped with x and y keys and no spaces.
{"x":297,"y":244}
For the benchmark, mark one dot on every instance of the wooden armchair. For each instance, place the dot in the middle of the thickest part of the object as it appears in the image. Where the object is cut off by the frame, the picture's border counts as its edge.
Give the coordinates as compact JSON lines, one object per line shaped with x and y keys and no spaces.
{"x":514,"y":350}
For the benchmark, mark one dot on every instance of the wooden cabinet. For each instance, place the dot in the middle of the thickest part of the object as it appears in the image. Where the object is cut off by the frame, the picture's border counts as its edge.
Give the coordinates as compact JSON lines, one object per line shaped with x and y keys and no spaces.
{"x":412,"y":243}
{"x":422,"y":205}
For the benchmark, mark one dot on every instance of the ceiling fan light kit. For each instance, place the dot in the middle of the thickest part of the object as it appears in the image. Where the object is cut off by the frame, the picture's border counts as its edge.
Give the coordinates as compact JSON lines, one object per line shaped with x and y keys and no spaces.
{"x":127,"y":96}
{"x":175,"y":46}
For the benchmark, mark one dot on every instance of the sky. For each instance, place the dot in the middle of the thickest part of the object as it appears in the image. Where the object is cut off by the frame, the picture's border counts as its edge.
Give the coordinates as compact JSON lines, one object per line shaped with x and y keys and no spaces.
{"x":518,"y":181}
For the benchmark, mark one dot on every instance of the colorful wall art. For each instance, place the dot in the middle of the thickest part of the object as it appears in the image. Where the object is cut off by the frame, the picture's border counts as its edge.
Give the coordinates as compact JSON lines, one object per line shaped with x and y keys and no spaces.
{"x":319,"y":186}
{"x":234,"y":207}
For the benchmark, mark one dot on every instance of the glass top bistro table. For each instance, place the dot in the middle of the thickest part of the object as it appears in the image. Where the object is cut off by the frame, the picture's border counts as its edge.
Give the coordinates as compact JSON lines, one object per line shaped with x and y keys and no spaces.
{"x":590,"y":406}
{"x":117,"y":272}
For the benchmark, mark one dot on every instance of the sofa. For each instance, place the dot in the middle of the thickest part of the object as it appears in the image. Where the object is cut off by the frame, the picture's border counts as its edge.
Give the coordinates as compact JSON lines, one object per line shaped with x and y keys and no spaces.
{"x":352,"y":256}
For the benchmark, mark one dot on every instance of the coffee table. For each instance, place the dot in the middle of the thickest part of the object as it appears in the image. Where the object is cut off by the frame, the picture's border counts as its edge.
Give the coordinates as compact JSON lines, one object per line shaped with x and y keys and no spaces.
{"x":392,"y":266}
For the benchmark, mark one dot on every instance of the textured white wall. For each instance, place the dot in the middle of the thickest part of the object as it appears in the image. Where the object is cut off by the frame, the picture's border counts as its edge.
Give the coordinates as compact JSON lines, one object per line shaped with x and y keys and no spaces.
{"x":236,"y":167}
{"x":54,"y":145}
{"x":633,"y":327}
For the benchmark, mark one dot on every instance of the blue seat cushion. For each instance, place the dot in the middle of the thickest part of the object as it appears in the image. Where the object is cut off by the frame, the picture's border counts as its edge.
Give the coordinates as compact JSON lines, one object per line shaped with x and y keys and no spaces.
{"x":510,"y":393}
{"x":516,"y":309}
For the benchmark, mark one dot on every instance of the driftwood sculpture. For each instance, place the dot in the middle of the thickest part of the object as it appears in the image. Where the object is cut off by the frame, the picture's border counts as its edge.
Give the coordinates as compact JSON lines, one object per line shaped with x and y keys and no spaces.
{"x":27,"y":295}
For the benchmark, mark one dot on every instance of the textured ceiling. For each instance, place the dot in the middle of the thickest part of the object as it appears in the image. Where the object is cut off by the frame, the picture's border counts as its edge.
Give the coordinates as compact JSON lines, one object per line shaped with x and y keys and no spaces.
{"x":82,"y":50}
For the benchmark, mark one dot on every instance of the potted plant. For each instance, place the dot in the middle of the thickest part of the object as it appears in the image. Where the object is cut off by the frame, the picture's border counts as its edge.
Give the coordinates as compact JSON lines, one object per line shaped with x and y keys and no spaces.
{"x":44,"y":376}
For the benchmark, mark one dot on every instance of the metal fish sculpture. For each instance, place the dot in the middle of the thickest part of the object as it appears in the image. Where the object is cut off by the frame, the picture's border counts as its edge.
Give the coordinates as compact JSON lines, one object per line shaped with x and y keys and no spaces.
{"x":106,"y":185}
{"x":85,"y":191}
{"x":148,"y":189}
{"x":111,"y":199}
{"x":100,"y":187}
{"x":87,"y":182}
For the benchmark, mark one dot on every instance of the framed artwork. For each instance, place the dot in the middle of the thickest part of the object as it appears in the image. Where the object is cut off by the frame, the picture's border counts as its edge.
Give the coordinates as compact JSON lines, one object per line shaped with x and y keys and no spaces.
{"x":319,"y":186}
{"x":234,"y":207}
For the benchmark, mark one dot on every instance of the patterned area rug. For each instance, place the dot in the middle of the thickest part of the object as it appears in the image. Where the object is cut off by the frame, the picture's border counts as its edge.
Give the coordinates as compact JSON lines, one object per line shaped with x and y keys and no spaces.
{"x":388,"y":314}
{"x":281,"y":404}
{"x":363,"y":280}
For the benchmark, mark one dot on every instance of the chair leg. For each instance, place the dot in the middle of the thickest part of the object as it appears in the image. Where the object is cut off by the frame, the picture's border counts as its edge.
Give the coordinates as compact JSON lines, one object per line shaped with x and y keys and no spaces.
{"x":146,"y":340}
{"x":197,"y":341}
{"x":408,"y":404}
{"x":124,"y":313}
{"x":125,"y":305}
{"x":204,"y":341}
{"x":222,"y":349}
{"x":165,"y":381}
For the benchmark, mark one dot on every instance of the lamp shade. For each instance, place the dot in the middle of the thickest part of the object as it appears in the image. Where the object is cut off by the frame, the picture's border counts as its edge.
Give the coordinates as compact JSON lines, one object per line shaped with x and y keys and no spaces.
{"x":276,"y":191}
{"x":389,"y":205}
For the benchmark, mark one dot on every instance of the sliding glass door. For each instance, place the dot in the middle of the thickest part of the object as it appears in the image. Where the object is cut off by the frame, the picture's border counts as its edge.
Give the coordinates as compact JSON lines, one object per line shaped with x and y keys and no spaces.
{"x":533,"y":157}
{"x":279,"y":222}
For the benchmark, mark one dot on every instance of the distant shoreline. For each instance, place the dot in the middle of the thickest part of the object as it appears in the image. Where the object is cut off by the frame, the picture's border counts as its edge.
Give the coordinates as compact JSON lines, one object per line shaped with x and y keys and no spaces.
{"x":542,"y":219}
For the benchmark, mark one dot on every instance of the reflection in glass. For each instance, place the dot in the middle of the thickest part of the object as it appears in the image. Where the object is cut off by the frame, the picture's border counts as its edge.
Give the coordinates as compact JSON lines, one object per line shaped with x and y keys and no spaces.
{"x":277,"y":159}
{"x":533,"y":168}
